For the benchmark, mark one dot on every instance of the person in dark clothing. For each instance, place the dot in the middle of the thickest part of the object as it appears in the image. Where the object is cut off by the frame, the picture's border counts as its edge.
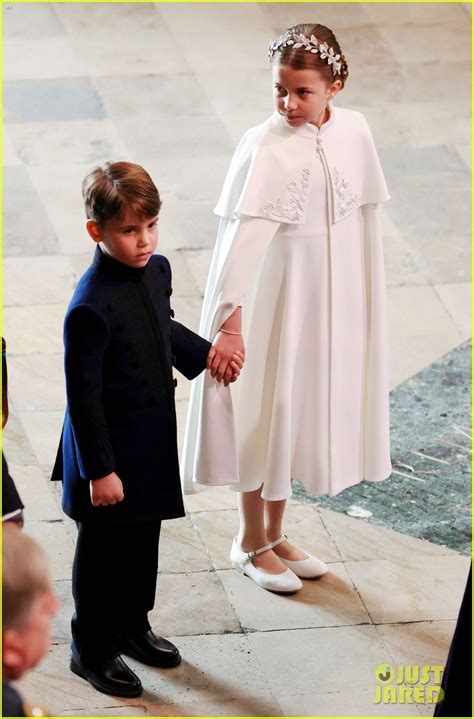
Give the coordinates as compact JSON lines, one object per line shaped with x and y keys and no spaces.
{"x":118,"y":458}
{"x":457,"y":675}
{"x":12,"y":506}
{"x":28,"y":607}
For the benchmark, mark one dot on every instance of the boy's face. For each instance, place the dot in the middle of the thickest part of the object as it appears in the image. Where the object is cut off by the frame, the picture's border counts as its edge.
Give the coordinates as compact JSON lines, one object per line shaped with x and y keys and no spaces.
{"x":129,"y":240}
{"x":23,"y":648}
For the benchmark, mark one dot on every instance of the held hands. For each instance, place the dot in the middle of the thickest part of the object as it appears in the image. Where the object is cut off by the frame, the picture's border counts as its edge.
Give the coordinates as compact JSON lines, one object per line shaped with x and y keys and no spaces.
{"x":106,"y":490}
{"x":226,"y":357}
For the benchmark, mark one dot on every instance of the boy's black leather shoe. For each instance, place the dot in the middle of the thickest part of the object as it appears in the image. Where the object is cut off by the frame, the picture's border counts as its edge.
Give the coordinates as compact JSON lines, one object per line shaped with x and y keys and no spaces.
{"x":111,"y":676}
{"x":149,"y":649}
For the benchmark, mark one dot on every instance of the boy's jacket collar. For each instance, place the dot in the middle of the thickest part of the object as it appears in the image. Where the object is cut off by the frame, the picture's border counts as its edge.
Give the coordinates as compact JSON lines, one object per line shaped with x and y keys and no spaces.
{"x":114,"y":268}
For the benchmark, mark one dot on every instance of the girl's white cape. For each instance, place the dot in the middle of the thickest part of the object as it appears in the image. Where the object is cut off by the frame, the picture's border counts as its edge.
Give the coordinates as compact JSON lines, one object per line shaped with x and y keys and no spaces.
{"x":269,"y":178}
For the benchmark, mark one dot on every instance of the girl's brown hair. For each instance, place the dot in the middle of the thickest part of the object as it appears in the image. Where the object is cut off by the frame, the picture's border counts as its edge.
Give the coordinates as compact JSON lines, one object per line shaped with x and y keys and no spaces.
{"x":108,"y":191}
{"x":300,"y":59}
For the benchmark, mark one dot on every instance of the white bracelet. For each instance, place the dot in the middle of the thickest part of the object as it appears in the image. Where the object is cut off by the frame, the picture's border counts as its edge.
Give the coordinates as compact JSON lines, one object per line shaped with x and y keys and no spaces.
{"x":227,"y":332}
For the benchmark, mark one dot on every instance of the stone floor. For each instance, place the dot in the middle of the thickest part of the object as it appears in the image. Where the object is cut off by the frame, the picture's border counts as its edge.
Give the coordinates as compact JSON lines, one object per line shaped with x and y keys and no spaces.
{"x":173,"y":86}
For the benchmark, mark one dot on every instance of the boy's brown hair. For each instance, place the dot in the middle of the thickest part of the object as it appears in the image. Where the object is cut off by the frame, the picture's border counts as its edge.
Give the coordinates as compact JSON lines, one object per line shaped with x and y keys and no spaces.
{"x":26,"y":575}
{"x":109,"y":190}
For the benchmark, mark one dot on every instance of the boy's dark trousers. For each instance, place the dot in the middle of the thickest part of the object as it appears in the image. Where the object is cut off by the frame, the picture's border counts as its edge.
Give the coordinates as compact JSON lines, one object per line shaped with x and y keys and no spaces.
{"x":113,"y":585}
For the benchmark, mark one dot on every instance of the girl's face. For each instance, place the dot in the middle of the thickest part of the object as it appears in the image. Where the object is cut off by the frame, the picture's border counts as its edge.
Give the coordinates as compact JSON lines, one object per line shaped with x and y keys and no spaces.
{"x":301,"y":96}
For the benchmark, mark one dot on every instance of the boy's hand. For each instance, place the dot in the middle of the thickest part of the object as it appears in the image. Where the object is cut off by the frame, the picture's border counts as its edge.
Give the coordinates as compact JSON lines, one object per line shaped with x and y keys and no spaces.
{"x":106,"y":490}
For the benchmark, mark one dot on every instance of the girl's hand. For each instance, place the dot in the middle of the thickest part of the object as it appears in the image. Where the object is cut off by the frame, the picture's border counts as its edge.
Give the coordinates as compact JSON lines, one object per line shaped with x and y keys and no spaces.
{"x":106,"y":490}
{"x":221,"y":353}
{"x":233,"y":368}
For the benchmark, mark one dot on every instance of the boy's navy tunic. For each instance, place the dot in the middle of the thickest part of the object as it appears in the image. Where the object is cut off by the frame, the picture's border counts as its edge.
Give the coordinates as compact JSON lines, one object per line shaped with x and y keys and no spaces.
{"x":120,"y":344}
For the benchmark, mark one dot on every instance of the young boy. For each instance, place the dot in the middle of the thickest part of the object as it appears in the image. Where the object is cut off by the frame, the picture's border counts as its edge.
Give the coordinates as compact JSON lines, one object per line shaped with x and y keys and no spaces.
{"x":118,"y":453}
{"x":29,"y":606}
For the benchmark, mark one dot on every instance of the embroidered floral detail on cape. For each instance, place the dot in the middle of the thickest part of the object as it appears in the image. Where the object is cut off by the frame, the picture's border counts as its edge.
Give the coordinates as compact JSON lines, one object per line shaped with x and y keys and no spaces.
{"x":346,"y":200}
{"x":290,"y":208}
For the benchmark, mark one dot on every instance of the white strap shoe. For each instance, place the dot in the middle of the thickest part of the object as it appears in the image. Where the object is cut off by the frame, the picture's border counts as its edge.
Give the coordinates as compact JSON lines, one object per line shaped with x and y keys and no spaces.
{"x":284,"y":583}
{"x":309,"y":568}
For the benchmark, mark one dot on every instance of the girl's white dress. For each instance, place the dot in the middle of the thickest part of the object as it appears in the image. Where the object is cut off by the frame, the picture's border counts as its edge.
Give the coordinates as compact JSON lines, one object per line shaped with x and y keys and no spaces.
{"x":312,"y":401}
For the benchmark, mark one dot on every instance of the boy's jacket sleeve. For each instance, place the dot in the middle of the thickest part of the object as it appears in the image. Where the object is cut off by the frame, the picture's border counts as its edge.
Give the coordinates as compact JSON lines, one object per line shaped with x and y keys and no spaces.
{"x":189,"y":350}
{"x":86,"y":336}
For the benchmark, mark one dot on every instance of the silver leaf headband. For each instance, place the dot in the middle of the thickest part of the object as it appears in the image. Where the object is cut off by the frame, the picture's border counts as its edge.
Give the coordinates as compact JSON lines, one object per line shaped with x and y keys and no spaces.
{"x":310,"y":44}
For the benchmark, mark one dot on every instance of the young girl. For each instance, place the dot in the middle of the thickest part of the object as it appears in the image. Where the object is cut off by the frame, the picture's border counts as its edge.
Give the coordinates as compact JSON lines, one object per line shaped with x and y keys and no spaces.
{"x":298,"y":272}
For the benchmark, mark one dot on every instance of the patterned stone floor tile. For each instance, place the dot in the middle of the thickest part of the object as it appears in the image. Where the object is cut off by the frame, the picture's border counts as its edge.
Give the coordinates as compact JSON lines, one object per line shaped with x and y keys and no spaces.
{"x":89,"y":142}
{"x":37,"y":382}
{"x":190,"y":604}
{"x":9,"y":156}
{"x":57,"y":544}
{"x":424,"y":47}
{"x":418,"y":643}
{"x":186,"y":224}
{"x":153,"y":93}
{"x":199,"y":262}
{"x":181,"y":548}
{"x":456,"y":297}
{"x":357,"y":540}
{"x":33,"y":485}
{"x":27,"y":230}
{"x":32,"y":329}
{"x":357,"y":703}
{"x":84,"y":24}
{"x":329,"y":659}
{"x":416,"y":337}
{"x":56,"y":100}
{"x":418,"y":589}
{"x":43,"y":430}
{"x":30,"y":21}
{"x":23,"y":280}
{"x":326,"y":602}
{"x":416,"y":13}
{"x":343,"y":15}
{"x":26,"y":58}
{"x":187,"y":136}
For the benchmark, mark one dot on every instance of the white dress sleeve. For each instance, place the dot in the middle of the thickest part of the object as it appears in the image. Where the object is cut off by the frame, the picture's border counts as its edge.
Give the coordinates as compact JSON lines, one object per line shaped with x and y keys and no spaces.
{"x":210,"y":451}
{"x":240,"y":246}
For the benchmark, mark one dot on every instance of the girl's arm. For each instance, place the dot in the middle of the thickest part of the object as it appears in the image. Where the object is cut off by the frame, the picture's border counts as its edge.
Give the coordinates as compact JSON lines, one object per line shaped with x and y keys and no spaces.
{"x":250,"y":238}
{"x":227,"y":343}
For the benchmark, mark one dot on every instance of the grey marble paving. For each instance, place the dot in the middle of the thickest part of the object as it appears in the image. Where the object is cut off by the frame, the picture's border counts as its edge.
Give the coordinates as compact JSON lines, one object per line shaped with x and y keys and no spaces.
{"x":88,"y":142}
{"x":30,"y":21}
{"x":27,"y":229}
{"x":51,"y":100}
{"x":186,"y":224}
{"x":154,"y":93}
{"x":32,"y":482}
{"x":195,"y":182}
{"x":185,"y":136}
{"x":343,"y":15}
{"x":440,"y":162}
{"x":15,"y":442}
